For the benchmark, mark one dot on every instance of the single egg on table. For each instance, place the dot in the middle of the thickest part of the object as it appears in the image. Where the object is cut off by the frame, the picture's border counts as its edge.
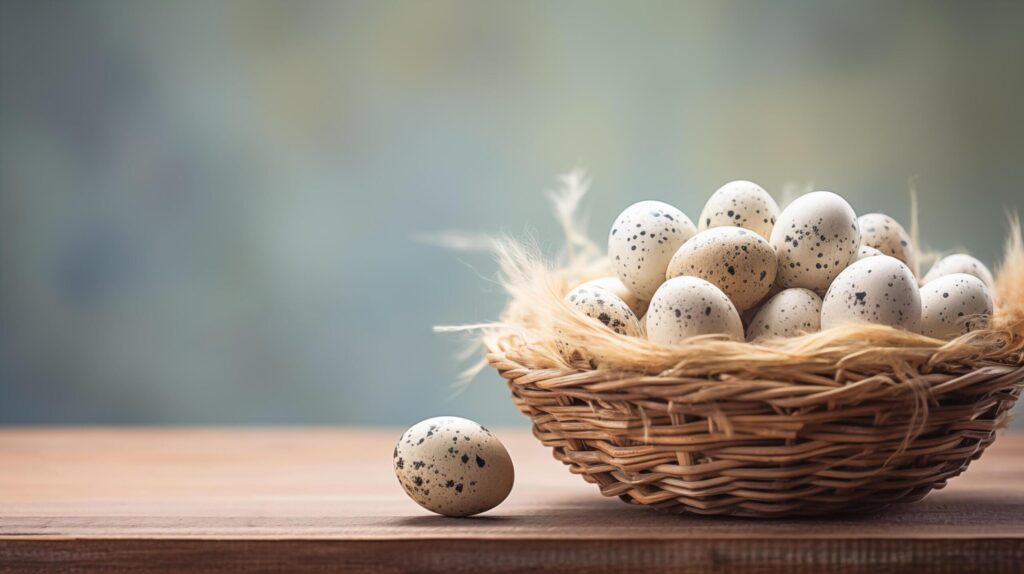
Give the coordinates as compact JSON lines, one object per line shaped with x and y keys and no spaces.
{"x":879,"y":290}
{"x":815,"y":237}
{"x":643,"y":240}
{"x":685,"y":307}
{"x":885,"y":234}
{"x":738,"y":261}
{"x":743,"y":204}
{"x":789,"y":313}
{"x":954,"y":304}
{"x":453,"y":466}
{"x":960,"y":263}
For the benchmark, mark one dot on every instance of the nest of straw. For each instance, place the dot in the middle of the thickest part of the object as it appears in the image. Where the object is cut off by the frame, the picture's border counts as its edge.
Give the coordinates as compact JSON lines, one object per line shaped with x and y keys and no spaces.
{"x":848,"y":419}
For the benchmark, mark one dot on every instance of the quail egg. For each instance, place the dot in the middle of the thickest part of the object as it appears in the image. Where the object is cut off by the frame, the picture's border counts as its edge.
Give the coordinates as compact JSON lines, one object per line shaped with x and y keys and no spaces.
{"x":885,"y":234}
{"x":685,"y":307}
{"x":865,"y":252}
{"x":960,"y":263}
{"x":601,"y":304}
{"x":616,"y":286}
{"x":738,"y":261}
{"x":815,"y":237}
{"x":453,"y":466}
{"x":954,"y":304}
{"x":879,"y":290}
{"x":643,"y":240}
{"x":740,"y":204}
{"x":787,"y":314}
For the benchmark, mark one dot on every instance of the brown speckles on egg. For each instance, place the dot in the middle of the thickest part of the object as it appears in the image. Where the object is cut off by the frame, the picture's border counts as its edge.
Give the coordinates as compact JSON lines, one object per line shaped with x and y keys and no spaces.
{"x":865,"y":252}
{"x":740,"y":204}
{"x":641,"y":256}
{"x":604,"y":306}
{"x":789,"y":313}
{"x":685,"y":307}
{"x":451,"y":481}
{"x":954,"y":304}
{"x":738,"y":261}
{"x":818,"y":223}
{"x":879,"y":290}
{"x":885,"y":234}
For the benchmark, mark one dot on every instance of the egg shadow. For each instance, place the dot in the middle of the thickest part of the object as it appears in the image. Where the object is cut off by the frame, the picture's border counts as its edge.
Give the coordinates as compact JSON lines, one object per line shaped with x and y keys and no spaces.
{"x":453,"y":521}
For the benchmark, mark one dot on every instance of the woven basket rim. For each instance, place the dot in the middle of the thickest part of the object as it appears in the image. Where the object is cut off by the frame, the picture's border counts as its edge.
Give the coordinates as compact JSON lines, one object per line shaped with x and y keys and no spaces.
{"x":509,"y":343}
{"x":837,"y":390}
{"x":850,"y":418}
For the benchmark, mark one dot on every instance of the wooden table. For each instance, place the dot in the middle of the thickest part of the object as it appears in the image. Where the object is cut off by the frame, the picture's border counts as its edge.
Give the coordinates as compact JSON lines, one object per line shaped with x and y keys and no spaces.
{"x":282,"y":499}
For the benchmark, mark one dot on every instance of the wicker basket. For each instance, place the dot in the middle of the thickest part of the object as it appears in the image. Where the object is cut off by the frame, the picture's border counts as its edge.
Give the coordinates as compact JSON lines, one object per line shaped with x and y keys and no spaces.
{"x":850,"y":419}
{"x":839,"y":441}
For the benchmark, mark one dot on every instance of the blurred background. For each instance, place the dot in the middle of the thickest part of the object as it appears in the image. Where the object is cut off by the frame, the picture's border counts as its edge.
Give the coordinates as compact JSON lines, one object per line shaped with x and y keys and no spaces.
{"x":209,"y":211}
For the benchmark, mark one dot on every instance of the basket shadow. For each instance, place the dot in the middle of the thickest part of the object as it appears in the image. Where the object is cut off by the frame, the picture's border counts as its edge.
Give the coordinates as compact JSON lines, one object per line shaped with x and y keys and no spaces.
{"x":939,"y":508}
{"x":595,"y":515}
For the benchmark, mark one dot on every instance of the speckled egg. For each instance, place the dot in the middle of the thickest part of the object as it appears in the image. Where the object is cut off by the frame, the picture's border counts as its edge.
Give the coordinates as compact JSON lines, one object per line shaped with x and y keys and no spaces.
{"x":643,"y":240}
{"x":789,"y":313}
{"x":616,"y":286}
{"x":960,"y":263}
{"x":453,"y":466}
{"x":954,"y":304}
{"x":740,"y":204}
{"x":601,"y":304}
{"x":815,"y":237}
{"x":865,"y":252}
{"x":879,"y":290}
{"x":738,"y":261}
{"x":885,"y":234}
{"x":685,"y":307}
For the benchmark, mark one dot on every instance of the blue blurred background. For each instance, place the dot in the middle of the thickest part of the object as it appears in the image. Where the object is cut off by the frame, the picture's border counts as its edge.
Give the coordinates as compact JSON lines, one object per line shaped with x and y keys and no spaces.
{"x":209,"y":210}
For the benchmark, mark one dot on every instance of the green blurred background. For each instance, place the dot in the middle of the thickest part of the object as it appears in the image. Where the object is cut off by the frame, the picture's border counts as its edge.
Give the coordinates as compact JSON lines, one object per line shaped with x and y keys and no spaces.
{"x":209,"y":210}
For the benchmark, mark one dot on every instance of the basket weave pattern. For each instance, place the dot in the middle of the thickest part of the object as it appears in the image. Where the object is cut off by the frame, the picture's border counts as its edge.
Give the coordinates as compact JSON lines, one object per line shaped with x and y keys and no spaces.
{"x":833,"y":441}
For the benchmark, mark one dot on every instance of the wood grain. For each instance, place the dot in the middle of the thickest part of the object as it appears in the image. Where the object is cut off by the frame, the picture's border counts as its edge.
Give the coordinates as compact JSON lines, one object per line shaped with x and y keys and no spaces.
{"x":286,"y":499}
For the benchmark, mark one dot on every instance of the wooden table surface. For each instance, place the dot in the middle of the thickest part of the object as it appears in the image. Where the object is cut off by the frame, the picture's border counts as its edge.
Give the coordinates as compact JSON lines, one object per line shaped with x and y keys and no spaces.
{"x":284,"y":499}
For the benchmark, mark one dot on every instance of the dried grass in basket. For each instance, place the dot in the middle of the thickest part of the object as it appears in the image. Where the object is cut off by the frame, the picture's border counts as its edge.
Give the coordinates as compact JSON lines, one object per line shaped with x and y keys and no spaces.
{"x":848,"y":419}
